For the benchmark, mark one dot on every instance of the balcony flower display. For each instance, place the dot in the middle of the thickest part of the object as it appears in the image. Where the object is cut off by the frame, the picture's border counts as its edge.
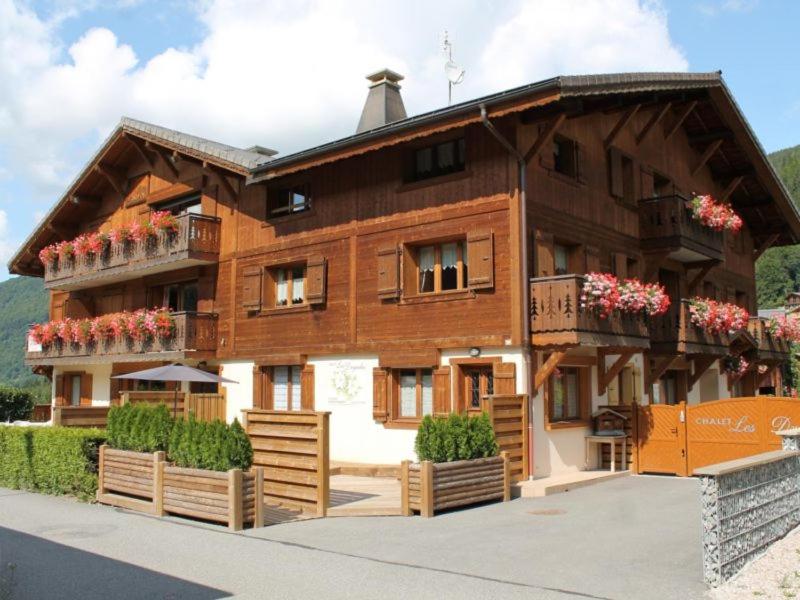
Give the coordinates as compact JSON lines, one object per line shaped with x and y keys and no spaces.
{"x":717,"y":317}
{"x":137,"y":325}
{"x":713,"y":214}
{"x":48,"y":255}
{"x":784,"y":329}
{"x":604,"y":293}
{"x":735,"y":366}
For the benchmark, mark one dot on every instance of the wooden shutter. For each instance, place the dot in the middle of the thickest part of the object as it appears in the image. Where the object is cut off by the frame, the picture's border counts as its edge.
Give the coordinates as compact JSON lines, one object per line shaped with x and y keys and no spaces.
{"x":262,"y":388}
{"x":315,"y":280}
{"x":86,"y":388}
{"x":307,"y":387}
{"x":480,"y":257}
{"x":251,"y":288}
{"x":648,"y":183}
{"x":628,"y":394}
{"x":620,"y":264}
{"x":441,"y":392}
{"x":615,"y":178}
{"x":389,"y":272}
{"x":380,"y":389}
{"x":592,"y":259}
{"x":545,"y":256}
{"x":60,"y":398}
{"x":505,"y":377}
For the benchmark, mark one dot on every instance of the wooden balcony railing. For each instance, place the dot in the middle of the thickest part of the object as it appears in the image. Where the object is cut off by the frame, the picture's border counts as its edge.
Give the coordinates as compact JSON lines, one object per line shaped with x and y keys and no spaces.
{"x":557,"y":318}
{"x":770,"y":348}
{"x":195,"y":242}
{"x":674,"y":333}
{"x":195,"y":333}
{"x":666,"y":224}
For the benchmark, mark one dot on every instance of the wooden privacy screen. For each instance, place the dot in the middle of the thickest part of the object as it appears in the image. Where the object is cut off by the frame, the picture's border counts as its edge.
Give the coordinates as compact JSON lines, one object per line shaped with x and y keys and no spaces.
{"x":679,"y":439}
{"x":204,"y":407}
{"x":509,"y":415}
{"x":292,"y":447}
{"x":80,"y":416}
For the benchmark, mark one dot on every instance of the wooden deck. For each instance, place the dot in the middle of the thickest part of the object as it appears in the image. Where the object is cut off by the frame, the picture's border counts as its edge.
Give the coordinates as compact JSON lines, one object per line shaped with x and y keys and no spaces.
{"x":355,"y":496}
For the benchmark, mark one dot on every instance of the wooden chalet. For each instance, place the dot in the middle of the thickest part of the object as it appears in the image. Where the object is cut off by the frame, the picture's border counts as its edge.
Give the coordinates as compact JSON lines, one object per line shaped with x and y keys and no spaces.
{"x":426,"y":264}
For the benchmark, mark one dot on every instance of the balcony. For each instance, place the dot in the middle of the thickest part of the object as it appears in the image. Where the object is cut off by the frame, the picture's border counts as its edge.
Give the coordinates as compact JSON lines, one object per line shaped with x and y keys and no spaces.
{"x":769,"y":348}
{"x":195,"y":337}
{"x":557,"y":319}
{"x":666,"y":226}
{"x":195,"y":243}
{"x":674,"y":333}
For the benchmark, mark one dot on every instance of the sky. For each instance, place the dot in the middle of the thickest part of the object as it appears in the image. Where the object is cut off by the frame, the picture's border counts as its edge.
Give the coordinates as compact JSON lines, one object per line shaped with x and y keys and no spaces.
{"x":289,"y":74}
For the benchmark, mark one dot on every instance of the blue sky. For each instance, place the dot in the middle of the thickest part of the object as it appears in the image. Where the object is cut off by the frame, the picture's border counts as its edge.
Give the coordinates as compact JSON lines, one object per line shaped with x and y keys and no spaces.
{"x":289,"y":74}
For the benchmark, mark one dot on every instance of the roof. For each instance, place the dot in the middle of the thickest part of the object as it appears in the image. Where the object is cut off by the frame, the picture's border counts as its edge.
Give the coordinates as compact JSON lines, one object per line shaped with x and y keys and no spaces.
{"x":766,"y":313}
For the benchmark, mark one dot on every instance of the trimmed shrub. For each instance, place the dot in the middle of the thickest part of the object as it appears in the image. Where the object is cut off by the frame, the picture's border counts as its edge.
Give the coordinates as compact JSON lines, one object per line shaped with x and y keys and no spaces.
{"x":210,"y":445}
{"x":50,"y":460}
{"x":139,"y":427}
{"x":457,"y":437}
{"x":15,"y":404}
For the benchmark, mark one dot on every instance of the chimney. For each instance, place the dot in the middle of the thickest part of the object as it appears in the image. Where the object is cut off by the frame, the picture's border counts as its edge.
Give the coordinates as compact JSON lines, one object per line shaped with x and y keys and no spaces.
{"x":384,"y":103}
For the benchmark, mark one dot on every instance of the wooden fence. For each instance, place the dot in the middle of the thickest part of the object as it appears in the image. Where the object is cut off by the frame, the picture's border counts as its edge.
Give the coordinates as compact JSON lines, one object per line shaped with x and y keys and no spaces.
{"x":205,"y":407}
{"x":509,"y":415}
{"x":292,"y":447}
{"x":41,"y":413}
{"x":80,"y":416}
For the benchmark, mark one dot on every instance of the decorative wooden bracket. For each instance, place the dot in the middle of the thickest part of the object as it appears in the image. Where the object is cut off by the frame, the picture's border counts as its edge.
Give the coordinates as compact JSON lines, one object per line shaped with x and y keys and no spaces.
{"x":654,"y":120}
{"x":681,"y":118}
{"x":653,"y":262}
{"x":710,"y":151}
{"x":544,"y":137}
{"x":621,"y":124}
{"x":550,"y":365}
{"x":605,"y":377}
{"x":113,"y":176}
{"x":140,"y":149}
{"x":701,"y":365}
{"x":765,"y":245}
{"x":730,"y":188}
{"x":223,"y":180}
{"x":705,"y":266}
{"x":660,"y":367}
{"x":165,"y":158}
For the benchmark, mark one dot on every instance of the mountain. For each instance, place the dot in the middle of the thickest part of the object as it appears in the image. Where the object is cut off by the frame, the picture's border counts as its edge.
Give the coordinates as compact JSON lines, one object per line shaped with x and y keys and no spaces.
{"x":778,"y":270}
{"x":23,"y":301}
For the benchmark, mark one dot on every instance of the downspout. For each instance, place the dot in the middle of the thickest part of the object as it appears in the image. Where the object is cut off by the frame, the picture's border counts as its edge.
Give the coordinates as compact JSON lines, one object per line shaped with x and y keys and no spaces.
{"x":525,"y":295}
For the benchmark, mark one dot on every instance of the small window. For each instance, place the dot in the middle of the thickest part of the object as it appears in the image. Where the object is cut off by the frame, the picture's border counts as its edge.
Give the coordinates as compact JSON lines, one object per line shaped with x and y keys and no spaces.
{"x":440,"y":159}
{"x":565,"y":156}
{"x":414,"y":393}
{"x":181,"y":297}
{"x":561,"y":258}
{"x":290,"y":285}
{"x":741,"y":299}
{"x":628,"y":180}
{"x":289,"y":200}
{"x":182,"y":206}
{"x":442,"y":267}
{"x":286,"y":388}
{"x":565,"y":395}
{"x":662,"y":186}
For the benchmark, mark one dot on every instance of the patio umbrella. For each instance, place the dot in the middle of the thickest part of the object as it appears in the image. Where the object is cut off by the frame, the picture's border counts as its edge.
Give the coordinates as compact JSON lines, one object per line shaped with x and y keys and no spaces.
{"x":175,"y":372}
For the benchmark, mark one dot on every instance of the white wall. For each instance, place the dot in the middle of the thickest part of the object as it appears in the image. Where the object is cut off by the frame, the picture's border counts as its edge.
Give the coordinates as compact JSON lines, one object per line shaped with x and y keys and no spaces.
{"x":239,"y":395}
{"x":101,"y":381}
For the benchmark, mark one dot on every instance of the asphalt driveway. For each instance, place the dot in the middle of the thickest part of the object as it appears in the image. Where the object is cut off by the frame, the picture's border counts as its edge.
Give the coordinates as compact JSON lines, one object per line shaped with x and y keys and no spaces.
{"x":635,"y":537}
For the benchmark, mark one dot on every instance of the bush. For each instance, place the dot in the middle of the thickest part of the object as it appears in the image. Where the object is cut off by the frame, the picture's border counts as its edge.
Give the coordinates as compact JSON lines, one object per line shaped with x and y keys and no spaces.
{"x":210,"y":445}
{"x":15,"y":404}
{"x":458,"y":437}
{"x":139,"y":427}
{"x":50,"y":460}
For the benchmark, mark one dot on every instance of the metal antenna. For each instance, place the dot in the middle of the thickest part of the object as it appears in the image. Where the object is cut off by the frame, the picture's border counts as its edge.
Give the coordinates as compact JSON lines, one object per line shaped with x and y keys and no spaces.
{"x":455,"y":74}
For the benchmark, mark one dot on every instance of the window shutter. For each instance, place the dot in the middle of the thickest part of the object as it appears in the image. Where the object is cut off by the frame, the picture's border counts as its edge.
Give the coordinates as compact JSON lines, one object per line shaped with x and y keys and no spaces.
{"x":262,"y":389}
{"x":441,"y":392}
{"x":592,"y":259}
{"x":505,"y":378}
{"x":307,"y":387}
{"x":620,"y":265}
{"x":86,"y":389}
{"x":615,"y":185}
{"x":251,"y":288}
{"x":315,"y":280}
{"x":545,"y":260}
{"x":648,"y":183}
{"x":389,"y":272}
{"x":628,"y":382}
{"x":612,"y":392}
{"x":480,"y":254}
{"x":60,"y":399}
{"x":380,"y":385}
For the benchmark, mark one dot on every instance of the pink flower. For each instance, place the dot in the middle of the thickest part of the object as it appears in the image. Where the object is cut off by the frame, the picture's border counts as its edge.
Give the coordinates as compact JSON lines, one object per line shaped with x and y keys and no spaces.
{"x":717,"y":317}
{"x":48,"y":255}
{"x":717,"y":216}
{"x":599,"y":293}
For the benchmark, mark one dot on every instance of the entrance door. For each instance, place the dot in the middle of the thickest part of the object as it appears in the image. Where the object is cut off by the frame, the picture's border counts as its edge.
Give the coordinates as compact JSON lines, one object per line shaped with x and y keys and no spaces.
{"x":661,"y":433}
{"x":478,"y":382}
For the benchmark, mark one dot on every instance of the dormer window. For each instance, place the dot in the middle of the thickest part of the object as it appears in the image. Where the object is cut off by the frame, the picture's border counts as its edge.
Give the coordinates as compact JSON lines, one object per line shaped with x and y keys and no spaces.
{"x":288,"y":200}
{"x":439,"y":159}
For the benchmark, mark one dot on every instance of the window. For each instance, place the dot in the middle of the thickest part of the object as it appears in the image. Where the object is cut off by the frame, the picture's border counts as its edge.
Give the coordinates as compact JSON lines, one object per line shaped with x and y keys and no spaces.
{"x":290,"y":284}
{"x":414,"y":393}
{"x":561,"y":259}
{"x":662,"y":186}
{"x":628,"y":180}
{"x":565,"y":156}
{"x":440,"y":159}
{"x":286,"y":388}
{"x":565,"y":395}
{"x":181,"y":297}
{"x":75,"y":390}
{"x":288,"y":200}
{"x":442,"y":267}
{"x":283,"y":387}
{"x":182,"y":206}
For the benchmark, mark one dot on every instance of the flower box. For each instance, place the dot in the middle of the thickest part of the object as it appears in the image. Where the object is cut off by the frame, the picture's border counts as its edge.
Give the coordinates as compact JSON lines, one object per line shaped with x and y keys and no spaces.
{"x":429,"y":487}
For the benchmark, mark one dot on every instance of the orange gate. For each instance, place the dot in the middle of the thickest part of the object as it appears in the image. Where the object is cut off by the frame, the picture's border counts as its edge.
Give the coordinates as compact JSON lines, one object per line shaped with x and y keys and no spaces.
{"x":679,"y":439}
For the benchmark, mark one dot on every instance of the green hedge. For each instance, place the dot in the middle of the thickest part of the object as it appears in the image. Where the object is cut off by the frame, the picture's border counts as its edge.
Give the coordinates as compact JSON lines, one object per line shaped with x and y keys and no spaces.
{"x":213,"y":445}
{"x":457,"y":437}
{"x":15,"y":404}
{"x":50,"y":460}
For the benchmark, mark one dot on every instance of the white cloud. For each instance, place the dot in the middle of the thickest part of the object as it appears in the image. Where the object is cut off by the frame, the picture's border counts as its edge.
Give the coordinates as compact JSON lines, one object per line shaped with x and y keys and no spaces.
{"x":7,"y":247}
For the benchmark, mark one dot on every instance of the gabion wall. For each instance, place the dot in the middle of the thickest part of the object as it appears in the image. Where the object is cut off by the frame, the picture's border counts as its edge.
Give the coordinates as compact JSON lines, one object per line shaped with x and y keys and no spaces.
{"x":745,"y":511}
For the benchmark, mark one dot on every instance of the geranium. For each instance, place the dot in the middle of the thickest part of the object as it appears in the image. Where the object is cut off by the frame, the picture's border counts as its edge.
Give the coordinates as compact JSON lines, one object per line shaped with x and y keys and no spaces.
{"x":81,"y":331}
{"x":735,"y":366}
{"x":35,"y":333}
{"x":715,"y":215}
{"x":165,"y":221}
{"x":64,"y":330}
{"x":657,"y":300}
{"x":120,"y":235}
{"x":165,"y":323}
{"x":784,"y":329}
{"x":48,"y":255}
{"x":100,"y":329}
{"x":65,"y":250}
{"x":717,"y":317}
{"x":600,"y":293}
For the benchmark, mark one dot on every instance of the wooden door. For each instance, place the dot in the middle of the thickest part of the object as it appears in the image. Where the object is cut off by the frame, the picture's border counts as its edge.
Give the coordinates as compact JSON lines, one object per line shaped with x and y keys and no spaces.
{"x":478,"y":382}
{"x":661,"y":443}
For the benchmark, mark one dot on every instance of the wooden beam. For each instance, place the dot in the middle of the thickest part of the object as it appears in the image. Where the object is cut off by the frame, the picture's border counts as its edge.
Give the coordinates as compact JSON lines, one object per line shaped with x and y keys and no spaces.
{"x":653,"y":262}
{"x":730,"y":188}
{"x":79,"y":198}
{"x":765,"y":245}
{"x":550,"y":365}
{"x":701,"y":365}
{"x":165,"y":158}
{"x":140,"y":149}
{"x":655,"y":119}
{"x":223,"y":180}
{"x":710,"y":136}
{"x":680,"y":119}
{"x":544,"y":137}
{"x":710,"y":151}
{"x":605,"y":377}
{"x":621,"y":124}
{"x":661,"y":365}
{"x":705,"y":267}
{"x":113,"y":176}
